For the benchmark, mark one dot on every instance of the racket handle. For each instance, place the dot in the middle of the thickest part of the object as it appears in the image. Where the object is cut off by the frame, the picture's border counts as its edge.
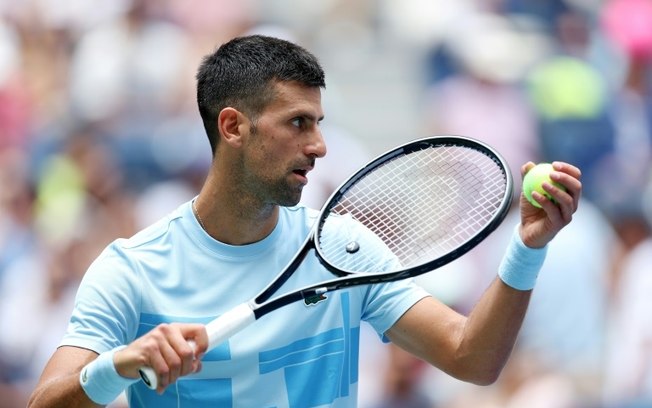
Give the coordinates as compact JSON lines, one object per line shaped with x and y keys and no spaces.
{"x":228,"y":324}
{"x":148,"y":375}
{"x":218,"y":330}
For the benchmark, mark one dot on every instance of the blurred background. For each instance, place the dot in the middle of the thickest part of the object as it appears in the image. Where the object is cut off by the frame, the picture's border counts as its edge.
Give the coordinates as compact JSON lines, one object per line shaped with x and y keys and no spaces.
{"x":100,"y":136}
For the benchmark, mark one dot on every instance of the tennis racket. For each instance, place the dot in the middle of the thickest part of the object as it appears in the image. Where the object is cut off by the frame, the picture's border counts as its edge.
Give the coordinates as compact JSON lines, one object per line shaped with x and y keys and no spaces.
{"x":409,"y":211}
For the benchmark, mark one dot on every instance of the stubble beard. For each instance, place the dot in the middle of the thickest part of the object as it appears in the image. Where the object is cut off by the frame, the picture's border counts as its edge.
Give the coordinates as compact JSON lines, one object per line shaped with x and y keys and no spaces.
{"x":285,"y":195}
{"x":277,"y":191}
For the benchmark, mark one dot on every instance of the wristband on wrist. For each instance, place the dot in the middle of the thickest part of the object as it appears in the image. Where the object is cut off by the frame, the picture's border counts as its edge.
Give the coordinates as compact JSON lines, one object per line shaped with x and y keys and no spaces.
{"x":521,"y":264}
{"x":100,"y":380}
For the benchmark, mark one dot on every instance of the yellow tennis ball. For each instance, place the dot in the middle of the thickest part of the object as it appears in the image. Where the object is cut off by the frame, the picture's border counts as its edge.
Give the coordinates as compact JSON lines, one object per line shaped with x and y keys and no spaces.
{"x":535,"y":178}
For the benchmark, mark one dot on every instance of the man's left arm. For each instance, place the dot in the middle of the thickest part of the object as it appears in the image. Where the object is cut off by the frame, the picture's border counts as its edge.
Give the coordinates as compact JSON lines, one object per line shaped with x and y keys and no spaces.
{"x":476,"y":348}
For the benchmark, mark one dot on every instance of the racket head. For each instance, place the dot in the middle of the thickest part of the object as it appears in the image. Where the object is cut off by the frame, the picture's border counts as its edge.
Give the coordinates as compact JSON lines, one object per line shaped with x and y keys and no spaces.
{"x":415,"y":208}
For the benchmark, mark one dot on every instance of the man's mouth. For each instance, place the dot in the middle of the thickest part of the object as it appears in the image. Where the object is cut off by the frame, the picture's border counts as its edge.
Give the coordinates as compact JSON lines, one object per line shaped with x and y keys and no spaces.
{"x":302,"y":173}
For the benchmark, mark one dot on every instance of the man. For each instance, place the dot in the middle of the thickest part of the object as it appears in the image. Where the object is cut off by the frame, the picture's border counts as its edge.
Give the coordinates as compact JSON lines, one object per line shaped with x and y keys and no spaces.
{"x":144,"y":298}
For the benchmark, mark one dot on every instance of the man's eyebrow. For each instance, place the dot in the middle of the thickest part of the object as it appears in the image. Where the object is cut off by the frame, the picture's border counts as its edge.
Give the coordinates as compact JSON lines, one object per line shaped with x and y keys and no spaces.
{"x":308,"y":115}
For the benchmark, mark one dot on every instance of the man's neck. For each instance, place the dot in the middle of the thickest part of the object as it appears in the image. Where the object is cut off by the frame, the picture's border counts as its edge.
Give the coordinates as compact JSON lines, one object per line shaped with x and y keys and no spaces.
{"x":232,"y":217}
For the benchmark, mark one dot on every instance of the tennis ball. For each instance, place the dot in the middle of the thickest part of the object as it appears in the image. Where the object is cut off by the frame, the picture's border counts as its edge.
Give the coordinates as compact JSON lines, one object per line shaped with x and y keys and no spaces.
{"x":535,"y":178}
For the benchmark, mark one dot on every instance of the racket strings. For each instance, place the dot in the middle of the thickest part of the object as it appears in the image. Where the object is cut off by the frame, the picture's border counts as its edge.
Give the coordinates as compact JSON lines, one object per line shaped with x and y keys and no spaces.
{"x":421,"y":205}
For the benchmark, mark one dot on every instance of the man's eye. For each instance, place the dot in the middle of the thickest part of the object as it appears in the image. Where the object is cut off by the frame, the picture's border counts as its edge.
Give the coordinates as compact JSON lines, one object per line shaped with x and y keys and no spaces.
{"x":298,"y":122}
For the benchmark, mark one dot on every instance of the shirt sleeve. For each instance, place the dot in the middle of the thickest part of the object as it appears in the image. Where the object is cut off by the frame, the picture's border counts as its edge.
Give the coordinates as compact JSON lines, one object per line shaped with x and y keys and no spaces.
{"x":384,"y":303}
{"x":387,"y":302}
{"x":106,"y":309}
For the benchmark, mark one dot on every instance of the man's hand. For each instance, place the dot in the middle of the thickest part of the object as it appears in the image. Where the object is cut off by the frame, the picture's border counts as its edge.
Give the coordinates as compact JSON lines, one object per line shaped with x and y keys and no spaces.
{"x":167,"y":351}
{"x":540,"y":225}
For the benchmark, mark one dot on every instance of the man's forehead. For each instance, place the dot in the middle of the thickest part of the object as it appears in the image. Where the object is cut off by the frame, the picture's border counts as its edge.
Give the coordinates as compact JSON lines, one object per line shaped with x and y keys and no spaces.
{"x":294,"y":96}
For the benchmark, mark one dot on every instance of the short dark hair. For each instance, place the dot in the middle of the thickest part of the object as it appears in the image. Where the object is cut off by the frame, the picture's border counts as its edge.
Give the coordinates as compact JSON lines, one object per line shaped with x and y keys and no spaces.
{"x":242,"y":72}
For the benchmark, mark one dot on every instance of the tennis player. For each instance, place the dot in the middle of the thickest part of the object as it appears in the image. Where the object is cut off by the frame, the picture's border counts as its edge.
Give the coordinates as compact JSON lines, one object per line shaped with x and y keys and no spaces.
{"x":144,"y":297}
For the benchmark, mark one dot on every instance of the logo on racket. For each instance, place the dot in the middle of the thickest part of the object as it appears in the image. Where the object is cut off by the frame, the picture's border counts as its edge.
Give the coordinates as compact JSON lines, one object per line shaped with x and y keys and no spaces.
{"x":352,"y":247}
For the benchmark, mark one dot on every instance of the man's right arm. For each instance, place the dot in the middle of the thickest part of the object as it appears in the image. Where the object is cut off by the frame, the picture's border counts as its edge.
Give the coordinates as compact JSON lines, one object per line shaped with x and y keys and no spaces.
{"x":59,"y":384}
{"x":165,"y":349}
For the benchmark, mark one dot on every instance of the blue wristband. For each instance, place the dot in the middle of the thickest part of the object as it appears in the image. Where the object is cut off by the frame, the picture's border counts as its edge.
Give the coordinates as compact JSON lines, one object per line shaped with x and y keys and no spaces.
{"x":100,"y":380}
{"x":521,"y":264}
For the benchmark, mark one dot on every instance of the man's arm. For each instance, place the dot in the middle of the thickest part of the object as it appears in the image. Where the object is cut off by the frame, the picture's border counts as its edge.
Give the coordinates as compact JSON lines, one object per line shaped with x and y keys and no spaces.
{"x":59,"y":383}
{"x":476,"y":348}
{"x":165,"y":349}
{"x":473,"y":348}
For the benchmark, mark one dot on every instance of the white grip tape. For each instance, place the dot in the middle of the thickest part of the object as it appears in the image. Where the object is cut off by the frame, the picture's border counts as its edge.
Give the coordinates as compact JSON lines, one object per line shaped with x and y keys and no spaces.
{"x":218,"y":330}
{"x":229,"y":324}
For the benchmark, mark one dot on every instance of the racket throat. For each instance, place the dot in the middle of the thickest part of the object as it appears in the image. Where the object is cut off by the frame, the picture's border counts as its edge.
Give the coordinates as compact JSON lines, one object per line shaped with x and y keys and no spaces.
{"x":310,"y":296}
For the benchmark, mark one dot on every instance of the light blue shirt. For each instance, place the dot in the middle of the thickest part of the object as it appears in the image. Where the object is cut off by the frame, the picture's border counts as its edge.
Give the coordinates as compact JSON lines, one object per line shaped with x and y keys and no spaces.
{"x":298,"y":356}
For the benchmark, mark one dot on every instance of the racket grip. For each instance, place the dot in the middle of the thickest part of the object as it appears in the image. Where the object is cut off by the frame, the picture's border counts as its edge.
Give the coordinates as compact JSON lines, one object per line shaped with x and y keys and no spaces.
{"x":218,"y":330}
{"x":148,"y":375}
{"x":228,"y":324}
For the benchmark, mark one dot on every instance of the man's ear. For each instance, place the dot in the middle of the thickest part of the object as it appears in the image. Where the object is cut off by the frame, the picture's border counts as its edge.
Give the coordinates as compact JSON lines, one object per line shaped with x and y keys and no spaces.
{"x":231,"y":124}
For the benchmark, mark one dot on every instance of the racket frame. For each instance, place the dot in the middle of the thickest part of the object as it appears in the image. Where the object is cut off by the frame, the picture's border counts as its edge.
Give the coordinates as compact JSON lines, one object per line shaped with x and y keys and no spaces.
{"x":263,"y":303}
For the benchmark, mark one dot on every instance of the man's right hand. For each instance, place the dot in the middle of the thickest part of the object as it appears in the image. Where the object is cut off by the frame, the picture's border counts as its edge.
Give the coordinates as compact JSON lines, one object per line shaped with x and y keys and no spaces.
{"x":166,"y":349}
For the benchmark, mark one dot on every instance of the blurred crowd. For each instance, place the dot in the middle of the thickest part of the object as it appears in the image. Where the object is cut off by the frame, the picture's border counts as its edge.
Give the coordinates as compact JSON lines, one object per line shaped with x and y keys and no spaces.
{"x":99,"y":137}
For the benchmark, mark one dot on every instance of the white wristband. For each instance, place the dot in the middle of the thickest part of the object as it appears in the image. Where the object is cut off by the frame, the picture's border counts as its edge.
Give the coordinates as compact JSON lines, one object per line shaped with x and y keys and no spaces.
{"x":521,"y":264}
{"x":100,"y":380}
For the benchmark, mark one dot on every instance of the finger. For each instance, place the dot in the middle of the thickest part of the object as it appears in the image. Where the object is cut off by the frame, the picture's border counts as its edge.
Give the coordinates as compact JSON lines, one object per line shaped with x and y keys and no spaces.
{"x":177,"y":352}
{"x":552,"y":210}
{"x":567,"y":168}
{"x":159,"y":364}
{"x":197,"y":339}
{"x":160,"y":367}
{"x":153,"y":345}
{"x":172,"y":362}
{"x":564,"y":203}
{"x":196,"y":333}
{"x":573,"y":186}
{"x":526,"y":167}
{"x":183,"y":350}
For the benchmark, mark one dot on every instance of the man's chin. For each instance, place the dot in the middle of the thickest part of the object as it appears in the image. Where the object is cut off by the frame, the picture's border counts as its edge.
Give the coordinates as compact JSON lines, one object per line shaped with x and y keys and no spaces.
{"x":290,"y":201}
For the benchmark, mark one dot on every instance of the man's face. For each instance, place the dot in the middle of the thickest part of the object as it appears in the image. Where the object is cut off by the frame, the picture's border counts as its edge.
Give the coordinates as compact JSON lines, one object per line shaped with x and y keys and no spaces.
{"x":282,"y":146}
